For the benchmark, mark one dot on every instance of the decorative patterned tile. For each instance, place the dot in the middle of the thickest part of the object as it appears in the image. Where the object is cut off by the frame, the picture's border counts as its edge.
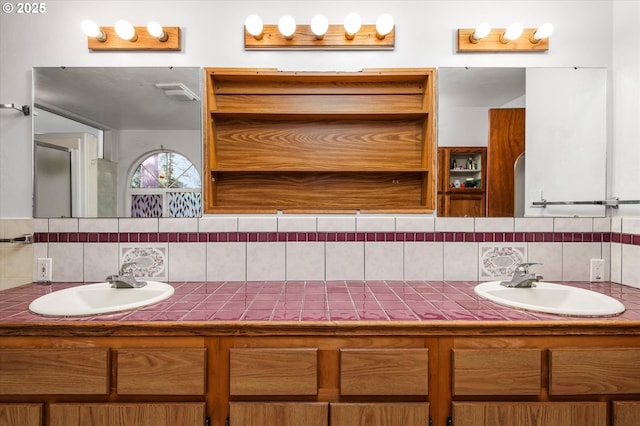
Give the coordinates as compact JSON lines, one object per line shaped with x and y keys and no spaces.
{"x":498,"y":261}
{"x":150,"y":259}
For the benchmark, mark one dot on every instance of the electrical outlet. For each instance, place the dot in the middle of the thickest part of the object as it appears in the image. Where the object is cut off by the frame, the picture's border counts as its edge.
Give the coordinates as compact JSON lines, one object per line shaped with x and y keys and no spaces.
{"x":597,"y":270}
{"x":44,"y":269}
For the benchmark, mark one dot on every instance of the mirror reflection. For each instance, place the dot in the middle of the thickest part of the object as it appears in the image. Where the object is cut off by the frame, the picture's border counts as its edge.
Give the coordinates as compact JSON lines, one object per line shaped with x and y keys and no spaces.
{"x":117,"y":142}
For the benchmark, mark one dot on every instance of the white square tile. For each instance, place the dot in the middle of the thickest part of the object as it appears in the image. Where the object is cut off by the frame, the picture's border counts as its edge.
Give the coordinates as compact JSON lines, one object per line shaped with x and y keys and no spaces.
{"x":549,"y":255}
{"x":494,"y":224}
{"x":375,"y":223}
{"x":336,"y":224}
{"x":258,"y":224}
{"x":305,"y":261}
{"x":178,"y":224}
{"x":455,"y":224}
{"x":616,"y":263}
{"x":218,"y":224}
{"x":601,"y":224}
{"x":63,"y":225}
{"x":572,"y":224}
{"x":226,"y":261}
{"x":98,"y":225}
{"x":344,"y":260}
{"x":40,"y":225}
{"x":423,"y":261}
{"x":297,"y":224}
{"x":498,"y":261}
{"x":576,"y":260}
{"x":266,"y":261}
{"x":630,"y":265}
{"x":383,"y":260}
{"x":415,"y":223}
{"x":616,"y":224}
{"x":187,"y":261}
{"x":533,"y":224}
{"x":100,"y":261}
{"x":631,"y":225}
{"x":151,"y":260}
{"x":460,"y":261}
{"x":132,"y":224}
{"x":67,"y":262}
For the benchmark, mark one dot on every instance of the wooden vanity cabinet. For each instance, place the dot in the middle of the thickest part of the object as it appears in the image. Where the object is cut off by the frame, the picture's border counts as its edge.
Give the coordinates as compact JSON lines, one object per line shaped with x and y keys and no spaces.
{"x":320,"y":141}
{"x":462,"y":181}
{"x":125,"y":414}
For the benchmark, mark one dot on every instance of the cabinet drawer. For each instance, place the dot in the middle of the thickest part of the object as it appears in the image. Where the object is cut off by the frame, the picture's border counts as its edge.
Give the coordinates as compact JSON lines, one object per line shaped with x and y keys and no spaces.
{"x":379,"y":414}
{"x":384,"y":372}
{"x":594,"y":371}
{"x":278,"y":413}
{"x":77,"y":371}
{"x":529,"y":413}
{"x":138,"y":414}
{"x":162,"y":371}
{"x":496,"y":372}
{"x":626,"y":413}
{"x":273,"y":371}
{"x":20,"y":414}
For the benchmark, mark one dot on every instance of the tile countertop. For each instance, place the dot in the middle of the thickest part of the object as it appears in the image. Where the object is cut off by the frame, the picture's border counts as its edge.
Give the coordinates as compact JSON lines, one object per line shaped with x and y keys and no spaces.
{"x":313,"y":301}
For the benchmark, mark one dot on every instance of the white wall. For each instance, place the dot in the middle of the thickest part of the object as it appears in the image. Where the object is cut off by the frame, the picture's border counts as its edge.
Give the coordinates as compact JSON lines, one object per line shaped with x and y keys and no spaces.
{"x":212,"y":36}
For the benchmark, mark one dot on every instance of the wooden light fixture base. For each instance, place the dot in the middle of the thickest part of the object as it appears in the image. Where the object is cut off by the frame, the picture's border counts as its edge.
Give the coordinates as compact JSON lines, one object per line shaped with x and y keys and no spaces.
{"x":334,"y":39}
{"x":492,"y":42}
{"x":145,"y":40}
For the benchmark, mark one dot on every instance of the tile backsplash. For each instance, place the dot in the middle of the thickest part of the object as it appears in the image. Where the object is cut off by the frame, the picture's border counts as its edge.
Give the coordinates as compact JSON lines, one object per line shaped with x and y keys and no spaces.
{"x":327,"y":247}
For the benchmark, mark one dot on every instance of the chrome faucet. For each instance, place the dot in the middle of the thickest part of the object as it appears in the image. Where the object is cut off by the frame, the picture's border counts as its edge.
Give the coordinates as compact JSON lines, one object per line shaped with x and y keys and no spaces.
{"x":125,"y":278}
{"x":522,"y":278}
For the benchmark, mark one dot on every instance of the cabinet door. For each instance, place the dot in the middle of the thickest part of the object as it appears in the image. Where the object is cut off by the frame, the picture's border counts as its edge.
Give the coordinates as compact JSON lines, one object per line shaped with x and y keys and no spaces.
{"x":380,"y":414}
{"x":464,"y":205}
{"x":278,"y":413}
{"x":626,"y":413}
{"x":142,"y":414}
{"x":20,"y":414}
{"x":530,"y":413}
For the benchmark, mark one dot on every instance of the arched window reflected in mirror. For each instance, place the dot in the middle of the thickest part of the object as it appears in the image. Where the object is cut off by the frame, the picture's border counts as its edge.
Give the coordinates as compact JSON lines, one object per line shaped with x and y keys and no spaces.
{"x":165,"y":184}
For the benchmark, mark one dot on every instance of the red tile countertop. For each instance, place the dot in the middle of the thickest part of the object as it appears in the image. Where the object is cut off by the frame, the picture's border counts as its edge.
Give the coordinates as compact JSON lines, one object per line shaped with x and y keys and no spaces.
{"x":316,"y":301}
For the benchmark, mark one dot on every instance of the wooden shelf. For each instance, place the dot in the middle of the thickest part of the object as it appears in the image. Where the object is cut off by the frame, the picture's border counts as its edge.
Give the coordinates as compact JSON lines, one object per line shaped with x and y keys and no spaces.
{"x":320,"y":141}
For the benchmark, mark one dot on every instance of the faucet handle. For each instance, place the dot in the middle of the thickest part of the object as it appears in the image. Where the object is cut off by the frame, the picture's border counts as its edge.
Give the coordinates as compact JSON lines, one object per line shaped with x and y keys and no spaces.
{"x":126,"y":267}
{"x":524,"y":267}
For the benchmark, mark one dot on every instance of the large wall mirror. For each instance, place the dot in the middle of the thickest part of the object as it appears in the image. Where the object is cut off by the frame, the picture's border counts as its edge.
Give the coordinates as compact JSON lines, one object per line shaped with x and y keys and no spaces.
{"x":564,"y":159}
{"x":117,"y":141}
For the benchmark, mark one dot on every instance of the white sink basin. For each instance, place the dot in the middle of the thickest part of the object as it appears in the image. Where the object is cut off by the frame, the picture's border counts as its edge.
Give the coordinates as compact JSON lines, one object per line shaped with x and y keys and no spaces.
{"x":552,"y":298}
{"x":99,"y":298}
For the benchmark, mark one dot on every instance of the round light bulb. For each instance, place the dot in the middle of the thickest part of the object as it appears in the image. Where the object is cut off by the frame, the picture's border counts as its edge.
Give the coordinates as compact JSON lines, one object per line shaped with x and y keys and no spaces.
{"x":287,"y":26}
{"x":482,"y":30}
{"x":125,"y":30}
{"x":543,"y":31}
{"x":352,"y":24}
{"x":155,"y":29}
{"x":91,"y":29}
{"x":513,"y":31}
{"x":254,"y":25}
{"x":319,"y":25}
{"x":384,"y":24}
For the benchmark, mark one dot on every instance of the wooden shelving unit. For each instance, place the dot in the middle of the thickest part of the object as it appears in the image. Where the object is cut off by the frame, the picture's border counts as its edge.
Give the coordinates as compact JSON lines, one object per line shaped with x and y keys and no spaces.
{"x":317,"y":142}
{"x":462,"y":186}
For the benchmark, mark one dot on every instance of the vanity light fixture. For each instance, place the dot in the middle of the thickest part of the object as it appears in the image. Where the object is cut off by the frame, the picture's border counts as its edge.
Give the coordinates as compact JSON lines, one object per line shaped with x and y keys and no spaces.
{"x":125,"y":36}
{"x":287,"y":26}
{"x":352,"y":24}
{"x":253,"y":25}
{"x":482,"y":30}
{"x":319,"y":26}
{"x":126,"y":31}
{"x":384,"y":25}
{"x":351,"y":35}
{"x":514,"y":38}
